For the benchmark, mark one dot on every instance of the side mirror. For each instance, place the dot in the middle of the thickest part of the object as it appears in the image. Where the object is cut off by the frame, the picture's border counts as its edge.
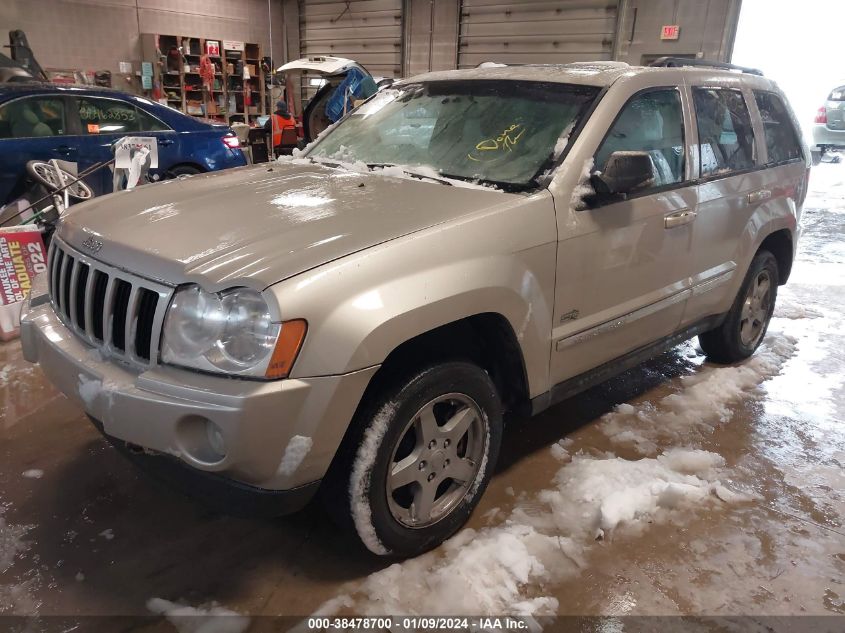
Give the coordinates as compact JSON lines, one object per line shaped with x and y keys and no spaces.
{"x":624,"y":173}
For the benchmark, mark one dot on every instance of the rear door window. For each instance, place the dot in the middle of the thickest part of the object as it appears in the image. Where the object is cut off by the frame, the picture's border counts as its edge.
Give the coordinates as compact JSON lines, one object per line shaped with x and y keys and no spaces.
{"x":650,"y":122}
{"x":725,"y":135}
{"x":111,"y":116}
{"x":781,"y":139}
{"x":33,"y":117}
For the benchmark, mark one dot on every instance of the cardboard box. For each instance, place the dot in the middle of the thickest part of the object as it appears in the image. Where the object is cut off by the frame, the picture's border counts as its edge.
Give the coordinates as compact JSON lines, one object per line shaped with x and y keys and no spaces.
{"x":250,"y":69}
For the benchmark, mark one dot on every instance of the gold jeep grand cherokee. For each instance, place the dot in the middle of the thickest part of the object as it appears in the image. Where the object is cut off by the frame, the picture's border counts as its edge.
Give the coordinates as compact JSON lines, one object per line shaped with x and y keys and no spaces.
{"x":358,"y":319}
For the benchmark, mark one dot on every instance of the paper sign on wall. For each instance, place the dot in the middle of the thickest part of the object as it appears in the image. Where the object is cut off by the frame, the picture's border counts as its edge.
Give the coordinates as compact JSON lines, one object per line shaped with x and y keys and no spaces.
{"x":125,"y":67}
{"x":146,"y":69}
{"x":212,"y":47}
{"x":231,"y":45}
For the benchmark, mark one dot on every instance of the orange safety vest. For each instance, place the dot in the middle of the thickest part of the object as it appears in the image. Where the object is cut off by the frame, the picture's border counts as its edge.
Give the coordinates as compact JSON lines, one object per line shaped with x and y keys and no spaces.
{"x":279,"y":124}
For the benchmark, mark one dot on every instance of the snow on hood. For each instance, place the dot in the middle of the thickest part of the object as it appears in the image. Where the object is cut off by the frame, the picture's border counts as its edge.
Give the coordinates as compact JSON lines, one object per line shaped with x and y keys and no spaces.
{"x":257,"y":225}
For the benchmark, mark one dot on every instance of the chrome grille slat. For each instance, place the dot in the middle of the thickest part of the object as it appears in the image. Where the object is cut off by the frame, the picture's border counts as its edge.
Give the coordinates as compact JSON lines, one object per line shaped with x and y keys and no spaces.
{"x":115,"y":311}
{"x":130,"y":321}
{"x":71,"y":293}
{"x":88,"y":302}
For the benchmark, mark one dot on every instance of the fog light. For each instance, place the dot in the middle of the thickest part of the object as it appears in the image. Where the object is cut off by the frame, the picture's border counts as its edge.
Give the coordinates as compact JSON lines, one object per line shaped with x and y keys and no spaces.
{"x":215,"y":439}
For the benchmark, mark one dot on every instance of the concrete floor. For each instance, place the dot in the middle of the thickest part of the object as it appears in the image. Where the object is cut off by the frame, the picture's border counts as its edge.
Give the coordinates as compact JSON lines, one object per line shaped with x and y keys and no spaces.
{"x":757,"y":531}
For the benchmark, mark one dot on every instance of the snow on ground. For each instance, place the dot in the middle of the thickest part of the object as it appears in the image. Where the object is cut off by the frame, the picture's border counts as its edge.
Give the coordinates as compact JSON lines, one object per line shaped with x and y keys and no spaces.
{"x":207,"y":618}
{"x":502,"y":569}
{"x":549,"y":536}
{"x":33,"y":473}
{"x":16,"y":596}
{"x":705,"y":401}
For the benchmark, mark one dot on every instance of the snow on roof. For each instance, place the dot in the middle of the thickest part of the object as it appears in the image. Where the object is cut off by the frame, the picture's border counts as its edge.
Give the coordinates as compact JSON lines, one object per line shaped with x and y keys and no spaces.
{"x":587,"y":73}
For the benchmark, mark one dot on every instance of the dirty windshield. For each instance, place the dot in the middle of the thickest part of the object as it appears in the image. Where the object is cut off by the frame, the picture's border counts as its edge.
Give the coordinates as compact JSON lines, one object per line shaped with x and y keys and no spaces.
{"x":496,"y":132}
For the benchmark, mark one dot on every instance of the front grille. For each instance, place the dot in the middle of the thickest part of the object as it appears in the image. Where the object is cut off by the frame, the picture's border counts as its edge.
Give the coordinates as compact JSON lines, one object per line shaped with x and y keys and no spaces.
{"x":119,"y":313}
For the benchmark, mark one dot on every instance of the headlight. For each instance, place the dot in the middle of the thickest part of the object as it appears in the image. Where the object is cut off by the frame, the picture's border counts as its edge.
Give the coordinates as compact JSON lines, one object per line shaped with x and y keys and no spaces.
{"x":230,"y":332}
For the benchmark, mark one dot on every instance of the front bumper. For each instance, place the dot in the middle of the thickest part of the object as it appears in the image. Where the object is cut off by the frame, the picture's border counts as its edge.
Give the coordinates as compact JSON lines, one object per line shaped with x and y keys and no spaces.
{"x":162,"y":408}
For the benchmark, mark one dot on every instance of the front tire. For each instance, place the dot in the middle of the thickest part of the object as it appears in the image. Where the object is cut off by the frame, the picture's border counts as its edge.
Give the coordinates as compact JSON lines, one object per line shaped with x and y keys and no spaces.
{"x":746,"y":323}
{"x":421,"y":456}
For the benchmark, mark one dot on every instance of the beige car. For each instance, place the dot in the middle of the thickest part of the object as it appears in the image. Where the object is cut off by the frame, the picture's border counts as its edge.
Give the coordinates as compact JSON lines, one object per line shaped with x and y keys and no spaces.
{"x":468,"y":244}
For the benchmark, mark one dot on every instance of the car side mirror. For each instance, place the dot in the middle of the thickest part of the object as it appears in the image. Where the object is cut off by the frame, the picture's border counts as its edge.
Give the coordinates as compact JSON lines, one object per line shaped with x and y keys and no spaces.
{"x":624,"y":173}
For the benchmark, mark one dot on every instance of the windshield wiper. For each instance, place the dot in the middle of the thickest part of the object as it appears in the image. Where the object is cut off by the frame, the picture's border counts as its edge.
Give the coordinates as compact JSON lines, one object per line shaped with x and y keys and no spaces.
{"x":412,"y":174}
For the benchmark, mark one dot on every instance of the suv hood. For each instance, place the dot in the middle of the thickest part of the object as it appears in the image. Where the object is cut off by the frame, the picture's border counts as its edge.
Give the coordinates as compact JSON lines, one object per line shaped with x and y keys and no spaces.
{"x":255,"y":226}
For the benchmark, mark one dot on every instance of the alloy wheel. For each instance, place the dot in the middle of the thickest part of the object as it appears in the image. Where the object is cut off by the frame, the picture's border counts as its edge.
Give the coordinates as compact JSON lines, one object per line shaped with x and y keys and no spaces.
{"x":436,"y":460}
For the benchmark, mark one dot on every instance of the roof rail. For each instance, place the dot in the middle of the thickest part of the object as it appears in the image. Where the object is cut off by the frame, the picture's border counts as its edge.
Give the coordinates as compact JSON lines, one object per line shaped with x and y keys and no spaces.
{"x":678,"y":62}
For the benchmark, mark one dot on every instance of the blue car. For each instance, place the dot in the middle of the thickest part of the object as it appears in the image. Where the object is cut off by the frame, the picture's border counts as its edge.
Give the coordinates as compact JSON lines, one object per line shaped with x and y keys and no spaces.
{"x":40,"y":121}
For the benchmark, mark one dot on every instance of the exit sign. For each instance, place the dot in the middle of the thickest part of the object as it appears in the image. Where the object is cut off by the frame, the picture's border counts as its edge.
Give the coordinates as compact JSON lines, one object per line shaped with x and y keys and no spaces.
{"x":670,"y":32}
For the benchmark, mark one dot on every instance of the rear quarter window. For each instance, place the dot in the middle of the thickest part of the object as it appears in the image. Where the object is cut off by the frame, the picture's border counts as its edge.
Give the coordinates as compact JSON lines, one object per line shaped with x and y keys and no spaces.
{"x":781,"y":138}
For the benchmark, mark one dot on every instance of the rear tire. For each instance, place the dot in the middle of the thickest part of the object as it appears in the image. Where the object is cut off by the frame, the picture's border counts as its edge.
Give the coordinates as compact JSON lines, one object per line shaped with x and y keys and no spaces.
{"x":183,"y":170}
{"x":748,"y":319}
{"x":418,"y":459}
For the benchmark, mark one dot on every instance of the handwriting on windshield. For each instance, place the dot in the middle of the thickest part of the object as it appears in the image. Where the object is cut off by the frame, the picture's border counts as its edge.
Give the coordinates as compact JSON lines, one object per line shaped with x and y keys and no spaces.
{"x":492,"y":148}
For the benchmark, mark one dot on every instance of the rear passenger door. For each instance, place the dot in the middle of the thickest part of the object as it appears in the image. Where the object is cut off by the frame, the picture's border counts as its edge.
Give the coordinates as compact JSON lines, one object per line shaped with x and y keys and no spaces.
{"x":730,"y":187}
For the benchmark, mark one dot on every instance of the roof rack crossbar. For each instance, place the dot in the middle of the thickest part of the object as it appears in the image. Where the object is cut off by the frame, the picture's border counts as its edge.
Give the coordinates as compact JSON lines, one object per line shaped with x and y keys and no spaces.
{"x":678,"y":62}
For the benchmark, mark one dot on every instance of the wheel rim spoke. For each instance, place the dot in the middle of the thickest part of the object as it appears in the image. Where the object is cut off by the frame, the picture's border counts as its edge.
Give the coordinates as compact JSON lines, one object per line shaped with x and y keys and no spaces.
{"x":423,"y":501}
{"x":458,"y":425}
{"x":427,"y":425}
{"x":461,"y":470}
{"x":746,"y":330}
{"x":405,"y":472}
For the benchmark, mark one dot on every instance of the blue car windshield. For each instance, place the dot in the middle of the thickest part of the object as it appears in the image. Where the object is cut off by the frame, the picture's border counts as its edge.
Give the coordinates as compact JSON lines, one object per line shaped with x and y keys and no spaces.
{"x":499,"y":132}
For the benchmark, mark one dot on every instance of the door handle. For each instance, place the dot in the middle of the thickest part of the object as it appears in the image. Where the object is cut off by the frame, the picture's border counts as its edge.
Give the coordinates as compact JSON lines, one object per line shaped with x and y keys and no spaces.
{"x":165,"y":141}
{"x":758,"y":196}
{"x":679,"y":218}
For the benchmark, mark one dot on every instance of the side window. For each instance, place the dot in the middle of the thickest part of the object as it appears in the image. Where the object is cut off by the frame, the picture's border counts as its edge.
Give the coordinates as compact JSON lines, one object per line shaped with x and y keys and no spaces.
{"x":107,"y":116}
{"x":725,"y":135}
{"x":33,"y":117}
{"x":148,"y":123}
{"x":781,"y":140}
{"x":651,"y":122}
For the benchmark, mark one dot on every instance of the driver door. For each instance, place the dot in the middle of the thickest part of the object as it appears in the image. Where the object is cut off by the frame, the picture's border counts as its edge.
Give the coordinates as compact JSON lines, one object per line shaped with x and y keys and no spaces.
{"x":623,"y":272}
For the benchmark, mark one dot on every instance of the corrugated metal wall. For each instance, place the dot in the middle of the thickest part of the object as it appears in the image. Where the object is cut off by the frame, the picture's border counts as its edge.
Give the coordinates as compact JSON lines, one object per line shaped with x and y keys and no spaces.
{"x":368,"y":31}
{"x":542,"y":31}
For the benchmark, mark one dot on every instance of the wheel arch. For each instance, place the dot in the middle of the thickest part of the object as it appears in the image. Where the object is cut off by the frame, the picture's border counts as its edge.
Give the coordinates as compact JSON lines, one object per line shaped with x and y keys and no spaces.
{"x":486,"y":339}
{"x":780,"y":244}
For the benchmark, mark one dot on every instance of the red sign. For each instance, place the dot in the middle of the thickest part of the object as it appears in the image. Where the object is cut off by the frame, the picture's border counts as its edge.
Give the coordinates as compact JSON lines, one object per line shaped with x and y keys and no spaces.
{"x":670,"y":32}
{"x":22,"y":256}
{"x":212,"y":47}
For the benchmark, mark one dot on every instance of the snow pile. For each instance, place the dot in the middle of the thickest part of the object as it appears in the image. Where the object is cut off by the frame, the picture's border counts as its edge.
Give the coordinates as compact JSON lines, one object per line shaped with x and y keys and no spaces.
{"x":583,"y":188}
{"x":5,"y":373}
{"x":91,"y":388}
{"x":563,"y":141}
{"x":594,"y":497}
{"x":296,"y":450}
{"x":33,"y":473}
{"x":789,"y":309}
{"x":502,"y":569}
{"x":210,"y":618}
{"x":704,"y":402}
{"x":12,"y":544}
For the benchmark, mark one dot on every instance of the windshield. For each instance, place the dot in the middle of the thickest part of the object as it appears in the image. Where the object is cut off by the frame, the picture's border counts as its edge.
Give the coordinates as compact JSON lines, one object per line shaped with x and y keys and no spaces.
{"x":499,"y":132}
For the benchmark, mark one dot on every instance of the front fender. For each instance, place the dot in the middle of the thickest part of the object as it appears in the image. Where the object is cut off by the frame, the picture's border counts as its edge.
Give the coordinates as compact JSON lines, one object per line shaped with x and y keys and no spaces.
{"x":362,"y":307}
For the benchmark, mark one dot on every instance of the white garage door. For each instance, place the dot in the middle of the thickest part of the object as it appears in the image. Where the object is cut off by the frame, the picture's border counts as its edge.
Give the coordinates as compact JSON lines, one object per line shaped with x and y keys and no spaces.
{"x":536,"y":32}
{"x":368,"y":31}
